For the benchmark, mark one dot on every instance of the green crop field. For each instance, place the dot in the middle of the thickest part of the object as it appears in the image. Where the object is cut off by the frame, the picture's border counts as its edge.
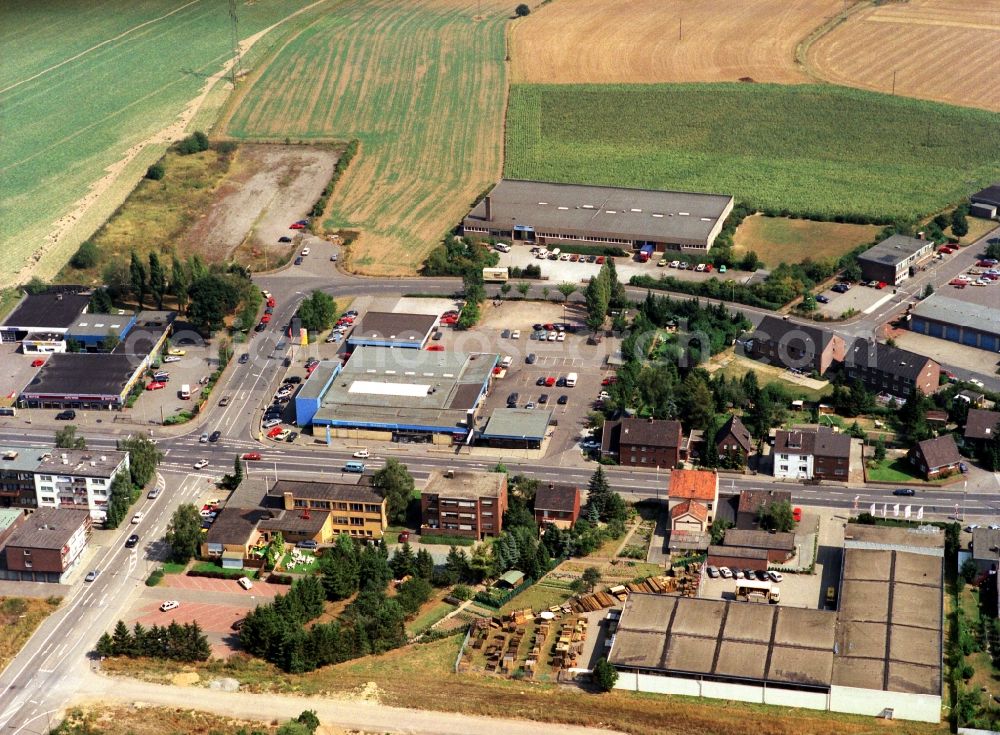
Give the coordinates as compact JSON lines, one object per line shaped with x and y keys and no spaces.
{"x":421,"y":85}
{"x":80,"y":85}
{"x":813,"y":150}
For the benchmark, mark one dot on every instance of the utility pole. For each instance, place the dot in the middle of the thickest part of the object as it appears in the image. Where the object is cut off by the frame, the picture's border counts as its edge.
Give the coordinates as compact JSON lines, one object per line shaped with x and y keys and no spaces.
{"x":894,"y":82}
{"x":680,"y":28}
{"x":236,"y":69}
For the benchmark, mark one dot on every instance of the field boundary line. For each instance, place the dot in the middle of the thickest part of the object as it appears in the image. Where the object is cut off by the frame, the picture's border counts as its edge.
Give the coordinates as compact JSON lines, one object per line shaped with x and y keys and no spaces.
{"x":803,"y":46}
{"x":97,"y":46}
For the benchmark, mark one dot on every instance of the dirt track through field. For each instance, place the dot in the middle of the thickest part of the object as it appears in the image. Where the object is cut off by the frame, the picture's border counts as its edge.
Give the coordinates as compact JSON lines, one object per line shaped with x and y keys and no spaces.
{"x":630,"y":41}
{"x":943,"y":50}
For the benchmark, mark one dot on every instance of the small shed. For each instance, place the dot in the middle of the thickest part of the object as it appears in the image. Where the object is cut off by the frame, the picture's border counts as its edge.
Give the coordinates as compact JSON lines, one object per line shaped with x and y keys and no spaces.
{"x":510,"y":580}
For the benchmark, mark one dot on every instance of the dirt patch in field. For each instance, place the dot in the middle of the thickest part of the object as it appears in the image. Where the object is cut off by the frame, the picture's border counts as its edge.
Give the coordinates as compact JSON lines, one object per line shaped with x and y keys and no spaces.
{"x":944,"y":50}
{"x":630,"y":41}
{"x":273,"y":186}
{"x":783,"y":240}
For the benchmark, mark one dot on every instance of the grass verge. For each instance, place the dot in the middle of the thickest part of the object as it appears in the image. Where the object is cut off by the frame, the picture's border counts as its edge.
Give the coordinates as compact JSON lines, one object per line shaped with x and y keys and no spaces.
{"x":19,"y":617}
{"x":421,"y":676}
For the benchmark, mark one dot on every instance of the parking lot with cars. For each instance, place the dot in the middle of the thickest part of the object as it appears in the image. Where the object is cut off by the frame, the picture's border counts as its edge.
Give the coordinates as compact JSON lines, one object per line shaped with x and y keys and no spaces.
{"x":834,"y":301}
{"x":192,"y":362}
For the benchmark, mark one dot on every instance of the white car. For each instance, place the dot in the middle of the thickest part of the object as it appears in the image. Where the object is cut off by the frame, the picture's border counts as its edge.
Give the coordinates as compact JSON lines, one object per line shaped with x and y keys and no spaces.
{"x":271,"y":423}
{"x":137,"y":518}
{"x":675,"y":263}
{"x":169,"y":605}
{"x":305,"y":252}
{"x":172,"y":358}
{"x":516,"y":334}
{"x":201,"y":463}
{"x":603,"y":395}
{"x":561,"y":337}
{"x":203,"y":439}
{"x":726,"y":572}
{"x":245,"y":583}
{"x":564,"y":256}
{"x":712,"y":572}
{"x":553,"y":336}
{"x":265,"y":293}
{"x":775,"y":577}
{"x":700,"y":267}
{"x":976,"y":382}
{"x":506,"y":361}
{"x":361,"y":454}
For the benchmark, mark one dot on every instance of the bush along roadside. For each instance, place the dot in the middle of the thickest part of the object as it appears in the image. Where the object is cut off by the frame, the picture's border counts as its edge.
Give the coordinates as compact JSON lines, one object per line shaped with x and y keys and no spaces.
{"x":342,"y":163}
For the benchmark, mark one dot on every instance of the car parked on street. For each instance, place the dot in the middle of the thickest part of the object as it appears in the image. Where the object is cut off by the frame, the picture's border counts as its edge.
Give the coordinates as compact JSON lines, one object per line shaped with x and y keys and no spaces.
{"x":169,"y":605}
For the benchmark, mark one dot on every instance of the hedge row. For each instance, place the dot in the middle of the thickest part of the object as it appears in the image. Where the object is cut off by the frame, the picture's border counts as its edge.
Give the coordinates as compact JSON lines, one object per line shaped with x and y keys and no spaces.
{"x":342,"y":163}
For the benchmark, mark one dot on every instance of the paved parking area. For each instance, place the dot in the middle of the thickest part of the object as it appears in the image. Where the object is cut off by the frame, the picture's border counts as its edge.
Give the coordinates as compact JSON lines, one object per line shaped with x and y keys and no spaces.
{"x":215,"y":620}
{"x":797,"y":590}
{"x":15,"y":369}
{"x":562,"y":271}
{"x":858,"y":298}
{"x":198,"y":362}
{"x":221,"y":586}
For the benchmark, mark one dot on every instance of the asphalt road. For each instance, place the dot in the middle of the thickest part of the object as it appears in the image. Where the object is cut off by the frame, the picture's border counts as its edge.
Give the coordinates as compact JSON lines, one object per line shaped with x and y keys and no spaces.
{"x":48,"y":672}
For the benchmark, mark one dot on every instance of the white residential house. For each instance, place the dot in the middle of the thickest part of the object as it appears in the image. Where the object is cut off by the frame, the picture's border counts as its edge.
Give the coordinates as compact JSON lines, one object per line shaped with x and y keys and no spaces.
{"x":79,"y":479}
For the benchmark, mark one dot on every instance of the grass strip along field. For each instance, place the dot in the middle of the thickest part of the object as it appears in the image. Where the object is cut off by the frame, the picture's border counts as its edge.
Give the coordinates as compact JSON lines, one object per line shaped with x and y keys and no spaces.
{"x":421,"y":86}
{"x":82,"y":83}
{"x":19,"y":616}
{"x":814,"y":150}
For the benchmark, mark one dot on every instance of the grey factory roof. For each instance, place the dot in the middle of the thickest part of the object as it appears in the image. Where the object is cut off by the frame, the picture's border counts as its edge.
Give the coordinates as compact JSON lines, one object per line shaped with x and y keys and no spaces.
{"x":637,"y":214}
{"x":48,"y":528}
{"x":517,"y":423}
{"x":387,"y":326}
{"x":989,"y":195}
{"x":888,"y":360}
{"x":47,"y":311}
{"x":98,"y":325}
{"x":760,"y":539}
{"x":984,"y":317}
{"x":83,"y":374}
{"x":894,"y":249}
{"x":317,"y":381}
{"x":466,"y":484}
{"x":923,"y":539}
{"x":730,"y":640}
{"x":82,"y":462}
{"x":890,"y":620}
{"x":380,"y":386}
{"x":21,"y":459}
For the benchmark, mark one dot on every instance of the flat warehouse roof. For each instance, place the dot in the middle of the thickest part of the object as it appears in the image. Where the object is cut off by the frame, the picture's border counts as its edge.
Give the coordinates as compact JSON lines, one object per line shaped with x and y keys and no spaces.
{"x":47,"y":311}
{"x":517,"y":423}
{"x":384,"y":387}
{"x":975,"y":309}
{"x":894,"y":249}
{"x":631,"y":214}
{"x":83,"y":374}
{"x":390,"y":327}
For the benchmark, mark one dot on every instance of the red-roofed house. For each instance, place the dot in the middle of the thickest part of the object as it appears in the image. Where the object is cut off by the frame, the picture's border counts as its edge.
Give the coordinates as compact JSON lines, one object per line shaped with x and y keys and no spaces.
{"x":701,"y":486}
{"x":689,"y":515}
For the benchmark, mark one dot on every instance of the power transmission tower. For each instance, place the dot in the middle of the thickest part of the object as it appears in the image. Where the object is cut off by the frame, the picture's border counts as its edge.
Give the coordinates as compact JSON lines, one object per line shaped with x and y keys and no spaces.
{"x":236,"y":70}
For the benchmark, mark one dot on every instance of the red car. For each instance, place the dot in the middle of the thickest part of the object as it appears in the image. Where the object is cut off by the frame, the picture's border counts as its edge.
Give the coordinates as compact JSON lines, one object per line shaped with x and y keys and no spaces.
{"x":708,"y":267}
{"x":956,"y":282}
{"x":946,"y":250}
{"x":610,"y":380}
{"x":310,"y":368}
{"x":881,"y":285}
{"x":275,"y":430}
{"x":549,"y":382}
{"x":435,"y":348}
{"x":156,"y":385}
{"x":297,"y":226}
{"x":265,"y":319}
{"x":600,"y":260}
{"x":271,"y":302}
{"x":403,"y":537}
{"x":450,"y":320}
{"x":252,"y":455}
{"x":37,"y":363}
{"x":450,"y":313}
{"x":797,"y":515}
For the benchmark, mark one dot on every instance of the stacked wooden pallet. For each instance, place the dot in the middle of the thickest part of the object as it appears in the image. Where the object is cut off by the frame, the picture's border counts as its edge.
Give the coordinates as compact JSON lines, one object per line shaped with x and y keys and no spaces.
{"x":593,"y":602}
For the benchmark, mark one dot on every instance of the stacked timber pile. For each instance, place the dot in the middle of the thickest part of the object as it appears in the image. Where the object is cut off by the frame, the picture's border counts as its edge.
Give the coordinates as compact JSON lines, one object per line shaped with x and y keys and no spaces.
{"x":593,"y":602}
{"x":569,"y":643}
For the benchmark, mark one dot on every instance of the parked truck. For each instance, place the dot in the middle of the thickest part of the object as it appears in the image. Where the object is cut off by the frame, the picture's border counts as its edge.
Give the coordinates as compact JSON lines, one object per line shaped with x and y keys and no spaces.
{"x":646,"y":252}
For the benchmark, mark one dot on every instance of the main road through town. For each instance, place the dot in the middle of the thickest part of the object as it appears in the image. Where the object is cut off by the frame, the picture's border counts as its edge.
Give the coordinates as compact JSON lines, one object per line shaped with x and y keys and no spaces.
{"x":52,"y":668}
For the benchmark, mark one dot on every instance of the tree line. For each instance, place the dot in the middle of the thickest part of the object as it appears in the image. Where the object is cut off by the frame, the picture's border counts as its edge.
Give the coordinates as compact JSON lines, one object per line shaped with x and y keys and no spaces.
{"x":176,"y":642}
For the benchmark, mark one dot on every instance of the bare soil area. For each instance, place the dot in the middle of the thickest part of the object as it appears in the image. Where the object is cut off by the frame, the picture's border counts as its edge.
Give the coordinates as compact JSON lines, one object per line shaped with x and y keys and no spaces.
{"x":943,"y":50}
{"x":633,"y":41}
{"x":272,"y":187}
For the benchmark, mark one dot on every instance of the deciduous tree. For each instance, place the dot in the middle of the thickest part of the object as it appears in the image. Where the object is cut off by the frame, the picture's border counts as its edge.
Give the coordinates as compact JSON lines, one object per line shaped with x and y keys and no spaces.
{"x":395,"y":484}
{"x":184,"y":533}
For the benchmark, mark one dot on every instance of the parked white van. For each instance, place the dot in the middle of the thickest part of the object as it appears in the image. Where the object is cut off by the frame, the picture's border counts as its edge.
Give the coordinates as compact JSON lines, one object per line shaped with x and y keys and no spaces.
{"x":571,"y":380}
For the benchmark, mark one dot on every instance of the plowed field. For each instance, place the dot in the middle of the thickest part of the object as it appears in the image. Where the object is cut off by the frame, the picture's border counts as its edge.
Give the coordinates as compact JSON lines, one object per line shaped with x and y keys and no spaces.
{"x":422,"y":86}
{"x":634,"y":41}
{"x":945,"y":50}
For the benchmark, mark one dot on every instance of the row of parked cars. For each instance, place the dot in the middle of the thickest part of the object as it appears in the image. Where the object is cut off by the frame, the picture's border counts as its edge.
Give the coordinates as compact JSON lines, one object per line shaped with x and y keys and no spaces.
{"x":759,"y":574}
{"x":541,"y":253}
{"x":984,"y":273}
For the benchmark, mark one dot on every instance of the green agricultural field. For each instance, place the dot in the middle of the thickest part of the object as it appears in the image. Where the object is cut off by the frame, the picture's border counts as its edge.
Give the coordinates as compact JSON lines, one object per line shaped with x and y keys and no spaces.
{"x":80,"y":85}
{"x":813,"y":150}
{"x":421,"y":85}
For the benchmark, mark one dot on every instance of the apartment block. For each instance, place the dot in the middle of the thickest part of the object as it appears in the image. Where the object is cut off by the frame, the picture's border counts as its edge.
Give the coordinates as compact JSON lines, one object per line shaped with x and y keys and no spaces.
{"x":468,"y":504}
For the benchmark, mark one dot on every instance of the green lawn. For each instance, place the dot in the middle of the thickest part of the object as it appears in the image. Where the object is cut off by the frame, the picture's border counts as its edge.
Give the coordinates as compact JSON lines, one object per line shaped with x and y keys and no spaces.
{"x":208,"y":566}
{"x":426,"y":619}
{"x":819,"y":150}
{"x":170,"y":567}
{"x":310,"y":566}
{"x":897,"y":470}
{"x":81,"y":83}
{"x":538,"y":597}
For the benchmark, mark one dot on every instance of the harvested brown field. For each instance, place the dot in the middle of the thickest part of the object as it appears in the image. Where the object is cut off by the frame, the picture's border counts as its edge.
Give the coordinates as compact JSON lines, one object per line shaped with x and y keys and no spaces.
{"x":635,"y":41}
{"x":943,"y":50}
{"x":783,"y":240}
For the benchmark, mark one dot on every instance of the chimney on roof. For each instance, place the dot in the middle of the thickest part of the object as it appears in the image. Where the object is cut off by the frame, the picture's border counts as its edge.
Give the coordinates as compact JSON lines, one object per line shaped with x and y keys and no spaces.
{"x":489,"y":208}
